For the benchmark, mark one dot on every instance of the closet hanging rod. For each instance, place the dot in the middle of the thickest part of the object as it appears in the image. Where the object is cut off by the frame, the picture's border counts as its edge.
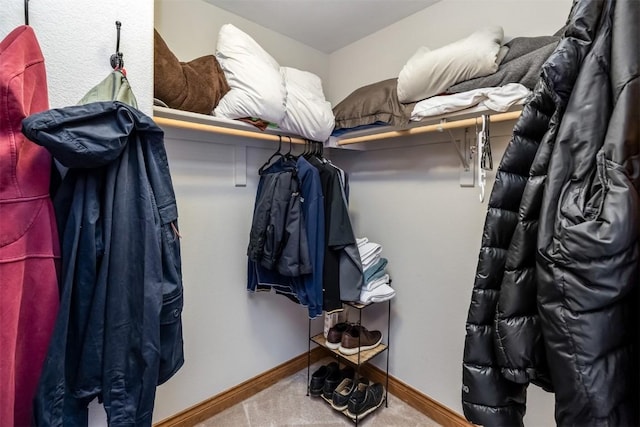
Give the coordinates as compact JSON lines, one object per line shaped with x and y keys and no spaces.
{"x":457,"y":124}
{"x":161,"y":121}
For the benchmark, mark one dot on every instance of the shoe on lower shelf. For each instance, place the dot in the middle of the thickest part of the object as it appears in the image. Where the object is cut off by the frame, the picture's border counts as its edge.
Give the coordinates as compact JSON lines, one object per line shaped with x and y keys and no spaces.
{"x":357,"y":339}
{"x":346,"y":390}
{"x":334,"y":379}
{"x":319,"y":376}
{"x":359,"y":405}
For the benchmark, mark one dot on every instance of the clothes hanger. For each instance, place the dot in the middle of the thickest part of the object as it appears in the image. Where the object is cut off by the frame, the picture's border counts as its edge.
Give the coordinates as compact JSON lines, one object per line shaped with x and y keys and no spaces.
{"x":487,"y":159}
{"x":311,"y":152}
{"x":317,"y":150}
{"x":117,"y":61}
{"x":274,"y":155}
{"x":26,"y":12}
{"x":288,"y":155}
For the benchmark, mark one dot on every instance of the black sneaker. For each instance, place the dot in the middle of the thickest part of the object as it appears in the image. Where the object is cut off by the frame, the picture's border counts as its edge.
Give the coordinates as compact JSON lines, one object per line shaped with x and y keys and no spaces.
{"x":333,"y":379}
{"x":319,"y":376}
{"x":357,"y":396}
{"x":344,"y":391}
{"x":373,"y":398}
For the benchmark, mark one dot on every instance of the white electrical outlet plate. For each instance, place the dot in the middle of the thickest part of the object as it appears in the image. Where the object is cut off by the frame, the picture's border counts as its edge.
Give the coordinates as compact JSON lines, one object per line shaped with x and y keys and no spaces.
{"x":467,"y":177}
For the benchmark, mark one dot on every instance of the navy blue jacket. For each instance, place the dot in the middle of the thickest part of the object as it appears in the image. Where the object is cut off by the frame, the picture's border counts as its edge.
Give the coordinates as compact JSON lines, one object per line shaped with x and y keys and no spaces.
{"x":306,"y":288}
{"x":118,"y":333}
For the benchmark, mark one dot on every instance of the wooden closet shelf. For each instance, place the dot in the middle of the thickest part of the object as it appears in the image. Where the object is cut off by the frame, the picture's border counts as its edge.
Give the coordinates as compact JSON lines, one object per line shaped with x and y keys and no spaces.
{"x":201,"y":122}
{"x":169,"y":117}
{"x":365,"y":355}
{"x":435,"y":127}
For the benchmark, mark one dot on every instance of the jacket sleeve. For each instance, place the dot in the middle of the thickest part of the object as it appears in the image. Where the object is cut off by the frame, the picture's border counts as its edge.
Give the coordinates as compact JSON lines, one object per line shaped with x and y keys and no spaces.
{"x":487,"y":397}
{"x":519,"y":345}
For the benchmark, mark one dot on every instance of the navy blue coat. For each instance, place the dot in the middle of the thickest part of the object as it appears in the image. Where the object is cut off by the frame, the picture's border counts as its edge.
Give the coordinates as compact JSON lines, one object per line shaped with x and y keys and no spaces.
{"x":118,"y":333}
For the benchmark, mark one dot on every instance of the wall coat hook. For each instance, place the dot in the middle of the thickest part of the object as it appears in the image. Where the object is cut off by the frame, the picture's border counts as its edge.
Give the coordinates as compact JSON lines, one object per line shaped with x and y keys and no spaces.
{"x":117,"y":61}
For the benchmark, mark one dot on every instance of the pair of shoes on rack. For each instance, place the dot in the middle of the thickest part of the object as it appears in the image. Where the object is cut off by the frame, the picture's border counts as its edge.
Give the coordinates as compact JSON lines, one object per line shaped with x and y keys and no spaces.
{"x":316,"y":385}
{"x":345,"y":390}
{"x":350,"y":339}
{"x":326,"y":378}
{"x":365,"y":399}
{"x":334,"y":336}
{"x":334,"y":379}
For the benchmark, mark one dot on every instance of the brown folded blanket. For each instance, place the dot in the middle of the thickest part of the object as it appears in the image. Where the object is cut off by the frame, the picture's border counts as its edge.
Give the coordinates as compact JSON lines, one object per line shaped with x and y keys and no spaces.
{"x":196,"y":86}
{"x":377,"y":102}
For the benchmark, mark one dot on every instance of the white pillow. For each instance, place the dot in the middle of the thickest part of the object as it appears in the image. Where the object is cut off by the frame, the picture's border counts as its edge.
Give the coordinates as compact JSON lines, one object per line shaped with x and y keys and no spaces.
{"x":429,"y":73}
{"x":308,"y":113}
{"x":257,"y":89}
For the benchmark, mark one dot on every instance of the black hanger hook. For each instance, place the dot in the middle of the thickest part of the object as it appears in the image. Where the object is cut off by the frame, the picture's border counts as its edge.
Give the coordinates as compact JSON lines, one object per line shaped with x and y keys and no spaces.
{"x":26,"y":12}
{"x":117,"y":62}
{"x":290,"y":145}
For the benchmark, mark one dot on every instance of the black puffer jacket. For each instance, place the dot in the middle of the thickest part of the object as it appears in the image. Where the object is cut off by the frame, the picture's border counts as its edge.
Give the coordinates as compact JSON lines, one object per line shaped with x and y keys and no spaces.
{"x":504,"y":347}
{"x":588,"y":256}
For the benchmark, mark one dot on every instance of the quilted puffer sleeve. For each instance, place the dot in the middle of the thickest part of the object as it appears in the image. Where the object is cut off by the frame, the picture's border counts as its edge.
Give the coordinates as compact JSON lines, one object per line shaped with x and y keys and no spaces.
{"x":519,"y":344}
{"x":488,"y":398}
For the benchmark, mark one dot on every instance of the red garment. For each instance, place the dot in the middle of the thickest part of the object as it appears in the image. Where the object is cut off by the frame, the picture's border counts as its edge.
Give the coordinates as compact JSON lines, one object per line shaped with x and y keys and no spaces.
{"x":29,"y":246}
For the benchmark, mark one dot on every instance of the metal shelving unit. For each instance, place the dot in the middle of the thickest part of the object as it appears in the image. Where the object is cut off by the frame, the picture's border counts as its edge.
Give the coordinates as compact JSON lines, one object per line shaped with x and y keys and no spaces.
{"x":358,"y":359}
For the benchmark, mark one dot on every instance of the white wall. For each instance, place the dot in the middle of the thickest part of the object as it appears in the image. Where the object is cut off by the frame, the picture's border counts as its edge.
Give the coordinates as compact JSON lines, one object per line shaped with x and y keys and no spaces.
{"x":381,"y":55}
{"x":77,"y":38}
{"x":203,"y":21}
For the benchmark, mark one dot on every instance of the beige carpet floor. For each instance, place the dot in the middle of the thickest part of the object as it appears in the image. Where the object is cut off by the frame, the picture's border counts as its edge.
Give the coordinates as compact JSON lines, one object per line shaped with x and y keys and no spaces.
{"x":286,"y":404}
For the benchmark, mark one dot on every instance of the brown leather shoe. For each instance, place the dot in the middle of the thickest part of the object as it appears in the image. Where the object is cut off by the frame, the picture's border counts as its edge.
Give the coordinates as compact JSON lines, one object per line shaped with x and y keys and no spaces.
{"x":334,"y":336}
{"x":358,"y":338}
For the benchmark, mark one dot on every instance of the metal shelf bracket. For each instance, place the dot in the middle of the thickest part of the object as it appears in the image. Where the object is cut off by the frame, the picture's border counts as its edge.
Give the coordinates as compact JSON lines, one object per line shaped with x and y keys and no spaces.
{"x":461,"y":149}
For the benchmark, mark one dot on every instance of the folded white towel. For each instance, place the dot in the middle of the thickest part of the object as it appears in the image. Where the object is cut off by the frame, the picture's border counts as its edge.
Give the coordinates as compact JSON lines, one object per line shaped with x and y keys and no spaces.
{"x":383,"y":298}
{"x":369,"y":286}
{"x":368,"y":251}
{"x":379,"y":294}
{"x":361,"y":241}
{"x":367,"y":248}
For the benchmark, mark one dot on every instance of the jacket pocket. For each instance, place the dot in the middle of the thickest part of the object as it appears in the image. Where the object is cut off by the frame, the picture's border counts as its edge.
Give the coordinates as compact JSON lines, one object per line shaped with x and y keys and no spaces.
{"x":171,"y":343}
{"x":596,"y":238}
